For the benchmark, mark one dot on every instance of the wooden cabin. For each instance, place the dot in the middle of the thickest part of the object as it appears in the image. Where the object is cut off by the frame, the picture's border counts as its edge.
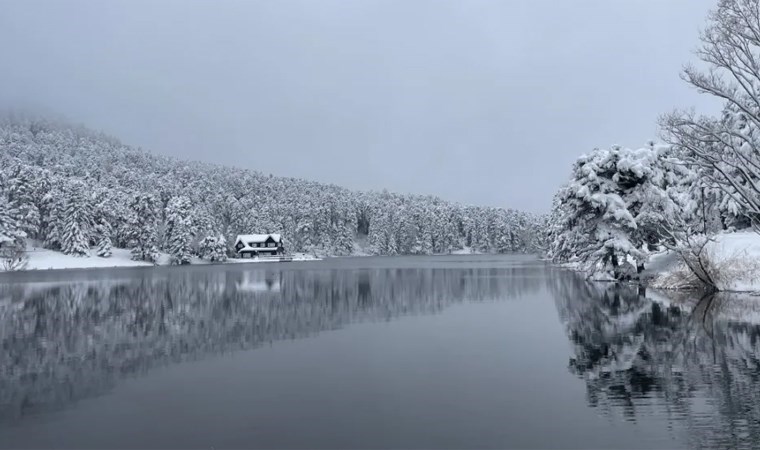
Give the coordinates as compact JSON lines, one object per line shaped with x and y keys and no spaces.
{"x":251,"y":245}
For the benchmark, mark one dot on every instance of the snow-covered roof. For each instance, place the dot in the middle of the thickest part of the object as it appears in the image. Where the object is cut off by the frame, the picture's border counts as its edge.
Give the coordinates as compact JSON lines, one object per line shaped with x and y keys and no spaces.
{"x":257,"y":238}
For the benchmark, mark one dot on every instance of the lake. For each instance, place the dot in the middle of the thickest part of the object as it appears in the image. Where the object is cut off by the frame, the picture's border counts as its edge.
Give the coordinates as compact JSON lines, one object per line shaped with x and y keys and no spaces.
{"x":408,"y":352}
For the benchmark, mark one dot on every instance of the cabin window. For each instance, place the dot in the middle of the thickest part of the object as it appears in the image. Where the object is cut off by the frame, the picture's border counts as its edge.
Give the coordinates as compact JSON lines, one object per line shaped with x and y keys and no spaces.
{"x":272,"y":244}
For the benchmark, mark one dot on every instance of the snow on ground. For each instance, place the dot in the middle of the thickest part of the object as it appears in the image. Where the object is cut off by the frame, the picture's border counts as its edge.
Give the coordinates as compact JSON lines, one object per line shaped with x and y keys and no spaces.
{"x":735,"y":257}
{"x":44,"y":259}
{"x":361,"y":247}
{"x":466,"y":251}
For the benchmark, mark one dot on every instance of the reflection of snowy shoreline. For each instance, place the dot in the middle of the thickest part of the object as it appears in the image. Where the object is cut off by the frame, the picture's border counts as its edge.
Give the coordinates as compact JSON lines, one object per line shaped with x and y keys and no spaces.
{"x":260,"y":282}
{"x":265,"y":259}
{"x":62,"y":340}
{"x":644,"y":352}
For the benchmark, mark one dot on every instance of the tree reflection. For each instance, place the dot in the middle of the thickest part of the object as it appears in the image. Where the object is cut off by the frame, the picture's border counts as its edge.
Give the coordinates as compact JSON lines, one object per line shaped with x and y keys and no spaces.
{"x":66,"y":340}
{"x":691,"y":359}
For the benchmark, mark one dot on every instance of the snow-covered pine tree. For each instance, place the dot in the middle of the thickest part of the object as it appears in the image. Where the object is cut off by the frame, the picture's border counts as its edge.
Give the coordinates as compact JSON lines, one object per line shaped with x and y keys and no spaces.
{"x":643,"y":178}
{"x":444,"y":236}
{"x":202,"y":223}
{"x":618,"y":205}
{"x":142,"y":228}
{"x":179,"y":230}
{"x":228,"y":212}
{"x":593,"y":222}
{"x":423,"y":237}
{"x":405,"y":233}
{"x":103,"y":231}
{"x":12,"y":237}
{"x":503,"y":235}
{"x":213,"y":248}
{"x":344,"y":223}
{"x":109,"y":210}
{"x":302,"y":234}
{"x":376,"y":235}
{"x":51,"y":229}
{"x":76,"y":221}
{"x":343,"y":243}
{"x":22,"y":189}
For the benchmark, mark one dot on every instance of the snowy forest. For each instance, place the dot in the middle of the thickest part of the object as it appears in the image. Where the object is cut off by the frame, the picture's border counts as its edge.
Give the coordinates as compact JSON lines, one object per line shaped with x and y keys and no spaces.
{"x":80,"y":192}
{"x":622,"y":204}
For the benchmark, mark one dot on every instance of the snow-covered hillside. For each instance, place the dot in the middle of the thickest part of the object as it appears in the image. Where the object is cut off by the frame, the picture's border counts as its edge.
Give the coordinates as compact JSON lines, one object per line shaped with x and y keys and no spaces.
{"x":72,"y":189}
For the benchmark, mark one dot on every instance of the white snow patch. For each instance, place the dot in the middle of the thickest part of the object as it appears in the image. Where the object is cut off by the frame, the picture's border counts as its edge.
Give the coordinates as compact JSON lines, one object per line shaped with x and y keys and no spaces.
{"x":466,"y":251}
{"x":361,"y":246}
{"x":43,"y":259}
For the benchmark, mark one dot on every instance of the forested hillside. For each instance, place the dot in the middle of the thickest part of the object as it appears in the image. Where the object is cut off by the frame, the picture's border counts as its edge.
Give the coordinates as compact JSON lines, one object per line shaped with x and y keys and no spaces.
{"x":71,"y":188}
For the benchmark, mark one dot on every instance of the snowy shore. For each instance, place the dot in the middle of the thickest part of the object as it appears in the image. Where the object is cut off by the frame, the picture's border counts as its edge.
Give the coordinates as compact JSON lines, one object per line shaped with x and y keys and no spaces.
{"x":734,"y":258}
{"x":43,"y":259}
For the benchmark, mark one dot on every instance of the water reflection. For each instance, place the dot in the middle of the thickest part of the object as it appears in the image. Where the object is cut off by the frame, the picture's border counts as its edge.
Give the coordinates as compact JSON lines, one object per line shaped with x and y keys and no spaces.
{"x":61,"y":341}
{"x":690,"y":360}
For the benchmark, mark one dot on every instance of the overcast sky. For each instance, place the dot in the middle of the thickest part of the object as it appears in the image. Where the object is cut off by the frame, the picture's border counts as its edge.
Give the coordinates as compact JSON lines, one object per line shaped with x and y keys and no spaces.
{"x":482,"y":102}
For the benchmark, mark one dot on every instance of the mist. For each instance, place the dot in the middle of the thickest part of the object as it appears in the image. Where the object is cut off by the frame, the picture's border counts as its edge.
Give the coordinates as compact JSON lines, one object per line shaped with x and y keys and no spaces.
{"x":478,"y":102}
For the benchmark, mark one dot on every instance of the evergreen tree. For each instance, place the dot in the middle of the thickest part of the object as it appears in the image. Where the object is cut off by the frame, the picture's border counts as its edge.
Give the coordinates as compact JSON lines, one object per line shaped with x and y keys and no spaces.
{"x":213,"y":248}
{"x":343,"y":244}
{"x":594,"y":221}
{"x":76,"y":221}
{"x":104,"y":231}
{"x":614,"y":207}
{"x":52,"y":221}
{"x":21,"y":192}
{"x":142,"y":228}
{"x":179,"y":230}
{"x":12,"y":237}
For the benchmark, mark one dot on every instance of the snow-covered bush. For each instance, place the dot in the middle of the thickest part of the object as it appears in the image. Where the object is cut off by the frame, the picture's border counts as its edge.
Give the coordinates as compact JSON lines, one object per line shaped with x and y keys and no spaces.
{"x":726,"y":262}
{"x":12,"y":258}
{"x":679,"y":277}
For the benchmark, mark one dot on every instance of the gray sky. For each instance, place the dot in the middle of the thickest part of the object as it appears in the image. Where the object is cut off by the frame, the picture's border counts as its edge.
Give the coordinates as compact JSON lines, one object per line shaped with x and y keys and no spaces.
{"x":483,"y":102}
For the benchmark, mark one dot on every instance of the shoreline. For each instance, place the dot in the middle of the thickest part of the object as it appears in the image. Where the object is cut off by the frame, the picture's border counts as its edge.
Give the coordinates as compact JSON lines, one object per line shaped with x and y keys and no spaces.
{"x":44,"y":260}
{"x":120,"y":260}
{"x":733,"y":259}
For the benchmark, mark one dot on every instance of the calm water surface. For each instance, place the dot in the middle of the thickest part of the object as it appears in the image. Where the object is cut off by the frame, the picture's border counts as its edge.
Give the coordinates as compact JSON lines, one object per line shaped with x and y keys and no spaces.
{"x":428,"y":352}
